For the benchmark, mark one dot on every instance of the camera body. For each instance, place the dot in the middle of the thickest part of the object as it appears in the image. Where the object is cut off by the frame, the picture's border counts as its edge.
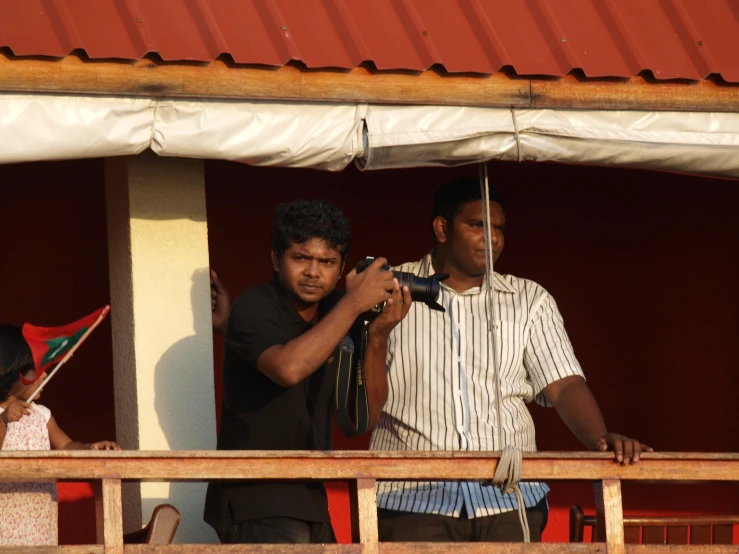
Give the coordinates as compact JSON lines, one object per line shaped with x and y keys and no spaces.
{"x":422,"y":289}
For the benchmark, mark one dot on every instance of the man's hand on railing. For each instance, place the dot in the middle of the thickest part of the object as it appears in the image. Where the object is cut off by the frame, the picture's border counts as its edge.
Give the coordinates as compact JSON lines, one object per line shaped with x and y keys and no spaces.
{"x":576,"y":405}
{"x":626,"y":450}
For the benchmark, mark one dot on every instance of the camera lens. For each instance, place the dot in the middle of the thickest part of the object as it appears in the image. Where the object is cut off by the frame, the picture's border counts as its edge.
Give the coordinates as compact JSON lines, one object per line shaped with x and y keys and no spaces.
{"x":421,"y":289}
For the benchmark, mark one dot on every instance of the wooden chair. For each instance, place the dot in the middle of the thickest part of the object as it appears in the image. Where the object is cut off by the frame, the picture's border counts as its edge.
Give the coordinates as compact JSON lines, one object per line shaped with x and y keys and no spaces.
{"x":661,"y":530}
{"x":160,"y":529}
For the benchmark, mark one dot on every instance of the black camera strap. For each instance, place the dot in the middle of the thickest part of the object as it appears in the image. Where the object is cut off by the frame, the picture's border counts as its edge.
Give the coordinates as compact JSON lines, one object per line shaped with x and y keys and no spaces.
{"x":352,"y":405}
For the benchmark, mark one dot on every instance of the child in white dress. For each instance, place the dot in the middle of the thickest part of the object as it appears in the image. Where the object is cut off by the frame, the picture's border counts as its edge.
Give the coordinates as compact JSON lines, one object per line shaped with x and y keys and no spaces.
{"x":28,"y":511}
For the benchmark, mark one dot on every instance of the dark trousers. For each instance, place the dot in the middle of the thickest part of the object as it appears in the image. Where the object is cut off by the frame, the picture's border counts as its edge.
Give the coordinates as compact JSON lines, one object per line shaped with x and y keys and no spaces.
{"x":409,"y":527}
{"x":277,"y":530}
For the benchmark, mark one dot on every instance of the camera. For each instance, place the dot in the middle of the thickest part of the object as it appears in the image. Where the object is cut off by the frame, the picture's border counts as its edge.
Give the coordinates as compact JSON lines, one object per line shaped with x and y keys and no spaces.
{"x":422,"y":289}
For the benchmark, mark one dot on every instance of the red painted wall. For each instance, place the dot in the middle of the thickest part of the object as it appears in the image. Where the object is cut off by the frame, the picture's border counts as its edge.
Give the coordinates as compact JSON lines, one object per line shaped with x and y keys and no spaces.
{"x":643,"y":266}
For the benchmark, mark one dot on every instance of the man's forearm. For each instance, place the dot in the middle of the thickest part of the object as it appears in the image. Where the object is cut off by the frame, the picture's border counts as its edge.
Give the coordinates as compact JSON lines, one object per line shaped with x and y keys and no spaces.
{"x":375,"y":375}
{"x":579,"y":410}
{"x":290,"y":363}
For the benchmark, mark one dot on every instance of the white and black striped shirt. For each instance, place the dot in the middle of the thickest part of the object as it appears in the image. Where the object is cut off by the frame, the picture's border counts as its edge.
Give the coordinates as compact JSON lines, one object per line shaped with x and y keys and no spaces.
{"x":442,"y":389}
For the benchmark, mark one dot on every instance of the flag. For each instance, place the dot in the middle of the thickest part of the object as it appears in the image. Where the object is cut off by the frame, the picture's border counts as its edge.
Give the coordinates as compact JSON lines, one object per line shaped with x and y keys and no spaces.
{"x":51,"y":344}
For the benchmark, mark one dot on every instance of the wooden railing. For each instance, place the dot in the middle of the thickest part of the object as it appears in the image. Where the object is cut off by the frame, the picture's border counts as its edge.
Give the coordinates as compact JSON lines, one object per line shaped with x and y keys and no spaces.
{"x":363,"y":470}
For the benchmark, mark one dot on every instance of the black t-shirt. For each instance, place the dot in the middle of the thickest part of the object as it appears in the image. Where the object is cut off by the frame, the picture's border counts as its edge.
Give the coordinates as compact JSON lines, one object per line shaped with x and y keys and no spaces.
{"x":259,"y":414}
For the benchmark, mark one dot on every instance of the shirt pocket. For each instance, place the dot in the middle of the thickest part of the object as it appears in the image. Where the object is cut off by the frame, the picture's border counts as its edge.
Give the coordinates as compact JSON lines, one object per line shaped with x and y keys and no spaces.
{"x":509,"y":346}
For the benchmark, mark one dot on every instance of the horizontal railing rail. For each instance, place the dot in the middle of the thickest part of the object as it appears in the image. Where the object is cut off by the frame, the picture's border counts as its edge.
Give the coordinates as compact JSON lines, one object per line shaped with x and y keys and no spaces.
{"x":362,"y":469}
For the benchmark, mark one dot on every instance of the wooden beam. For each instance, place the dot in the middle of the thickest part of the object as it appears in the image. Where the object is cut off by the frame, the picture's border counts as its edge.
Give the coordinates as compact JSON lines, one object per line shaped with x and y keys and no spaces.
{"x":636,"y":93}
{"x":680,"y":549}
{"x":67,"y":549}
{"x":409,"y":548}
{"x":220,"y":79}
{"x":670,"y":521}
{"x":385,"y":548}
{"x":150,"y":77}
{"x":356,"y":454}
{"x":241,"y":548}
{"x":199,"y":466}
{"x":490,"y":548}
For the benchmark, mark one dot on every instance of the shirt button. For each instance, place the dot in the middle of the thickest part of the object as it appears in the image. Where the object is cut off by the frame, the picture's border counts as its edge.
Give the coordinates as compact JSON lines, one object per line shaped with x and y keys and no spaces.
{"x":460,"y":429}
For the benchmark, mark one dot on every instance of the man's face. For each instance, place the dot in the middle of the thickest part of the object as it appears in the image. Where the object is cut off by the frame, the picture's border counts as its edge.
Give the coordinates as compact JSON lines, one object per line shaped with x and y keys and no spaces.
{"x":466,"y":239}
{"x":309,"y":271}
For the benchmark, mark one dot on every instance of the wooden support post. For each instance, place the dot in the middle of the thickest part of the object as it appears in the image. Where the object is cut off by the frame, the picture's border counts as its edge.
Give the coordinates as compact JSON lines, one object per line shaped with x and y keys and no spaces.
{"x":109,"y":510}
{"x":609,"y":515}
{"x":363,"y":499}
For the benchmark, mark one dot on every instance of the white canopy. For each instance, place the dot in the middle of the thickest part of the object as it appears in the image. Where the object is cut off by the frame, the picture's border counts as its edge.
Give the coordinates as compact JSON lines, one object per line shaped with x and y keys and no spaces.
{"x":330,"y":136}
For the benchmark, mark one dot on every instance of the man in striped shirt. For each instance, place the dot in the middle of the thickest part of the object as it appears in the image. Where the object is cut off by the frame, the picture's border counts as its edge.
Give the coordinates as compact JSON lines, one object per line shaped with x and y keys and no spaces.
{"x":442,"y":388}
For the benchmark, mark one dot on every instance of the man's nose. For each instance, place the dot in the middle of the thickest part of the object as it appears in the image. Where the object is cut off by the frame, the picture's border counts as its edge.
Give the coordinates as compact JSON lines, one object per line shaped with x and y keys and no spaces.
{"x":494,"y":237}
{"x":313,"y":269}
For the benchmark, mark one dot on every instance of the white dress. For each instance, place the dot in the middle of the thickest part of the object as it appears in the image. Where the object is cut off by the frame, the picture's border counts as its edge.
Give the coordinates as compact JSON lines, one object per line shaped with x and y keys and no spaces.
{"x":28,"y":511}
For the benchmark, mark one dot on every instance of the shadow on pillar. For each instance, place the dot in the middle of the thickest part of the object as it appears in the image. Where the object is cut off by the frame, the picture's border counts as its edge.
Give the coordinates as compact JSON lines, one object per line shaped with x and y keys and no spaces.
{"x":184,"y":403}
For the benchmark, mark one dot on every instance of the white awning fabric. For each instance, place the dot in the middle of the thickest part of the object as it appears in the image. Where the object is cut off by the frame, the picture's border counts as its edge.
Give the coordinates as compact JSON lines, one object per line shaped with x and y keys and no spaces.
{"x":322,"y":136}
{"x":330,"y":136}
{"x":56,"y":127}
{"x":689,"y":142}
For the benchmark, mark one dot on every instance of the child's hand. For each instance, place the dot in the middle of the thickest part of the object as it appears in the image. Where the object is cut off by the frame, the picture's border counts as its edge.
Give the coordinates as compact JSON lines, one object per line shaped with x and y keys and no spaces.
{"x":15,"y":411}
{"x":103,"y":445}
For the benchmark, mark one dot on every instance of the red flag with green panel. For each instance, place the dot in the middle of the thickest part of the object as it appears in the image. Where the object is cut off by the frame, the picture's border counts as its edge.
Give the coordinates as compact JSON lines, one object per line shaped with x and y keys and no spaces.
{"x":50,"y":345}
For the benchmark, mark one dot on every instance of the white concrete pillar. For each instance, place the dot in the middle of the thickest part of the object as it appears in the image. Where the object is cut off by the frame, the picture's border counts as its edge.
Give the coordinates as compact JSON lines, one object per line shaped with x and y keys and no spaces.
{"x":161,"y":317}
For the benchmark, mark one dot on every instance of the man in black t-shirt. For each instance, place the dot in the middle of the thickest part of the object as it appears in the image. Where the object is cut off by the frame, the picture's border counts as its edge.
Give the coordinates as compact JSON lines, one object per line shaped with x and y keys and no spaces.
{"x":278,"y":389}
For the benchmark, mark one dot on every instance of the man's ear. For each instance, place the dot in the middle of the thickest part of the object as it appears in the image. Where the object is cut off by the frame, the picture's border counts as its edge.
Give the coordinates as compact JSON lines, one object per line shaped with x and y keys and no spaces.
{"x":440,"y":229}
{"x":275,"y":261}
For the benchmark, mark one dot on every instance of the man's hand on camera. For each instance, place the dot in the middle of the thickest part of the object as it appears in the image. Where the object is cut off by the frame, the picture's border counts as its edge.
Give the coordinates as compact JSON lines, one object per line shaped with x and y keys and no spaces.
{"x":395,"y":310}
{"x":369,"y":288}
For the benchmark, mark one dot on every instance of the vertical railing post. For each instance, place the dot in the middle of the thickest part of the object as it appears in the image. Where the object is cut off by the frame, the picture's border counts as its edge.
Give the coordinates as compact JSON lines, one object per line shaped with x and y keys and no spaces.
{"x":109,"y":512}
{"x":363,"y":500}
{"x":609,"y":515}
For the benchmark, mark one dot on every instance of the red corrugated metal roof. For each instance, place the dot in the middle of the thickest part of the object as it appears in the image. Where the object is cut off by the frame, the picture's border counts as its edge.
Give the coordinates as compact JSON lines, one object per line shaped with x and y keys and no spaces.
{"x":674,"y":39}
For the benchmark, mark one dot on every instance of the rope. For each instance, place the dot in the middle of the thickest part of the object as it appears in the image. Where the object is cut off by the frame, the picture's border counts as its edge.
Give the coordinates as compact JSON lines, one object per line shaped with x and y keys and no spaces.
{"x":508,"y":473}
{"x":507,"y":476}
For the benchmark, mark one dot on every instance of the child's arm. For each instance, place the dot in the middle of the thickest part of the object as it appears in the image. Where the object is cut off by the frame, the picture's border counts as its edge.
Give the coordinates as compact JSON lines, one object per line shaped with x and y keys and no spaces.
{"x":16,"y":410}
{"x":61,"y":441}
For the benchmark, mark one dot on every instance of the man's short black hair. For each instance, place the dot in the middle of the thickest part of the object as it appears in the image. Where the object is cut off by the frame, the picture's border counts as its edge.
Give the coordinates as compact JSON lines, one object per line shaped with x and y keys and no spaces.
{"x":303,"y":220}
{"x":451,"y":196}
{"x":15,"y":357}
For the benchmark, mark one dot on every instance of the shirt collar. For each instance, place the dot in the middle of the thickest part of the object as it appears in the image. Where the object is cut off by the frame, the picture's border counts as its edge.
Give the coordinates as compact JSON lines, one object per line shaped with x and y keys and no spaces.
{"x":285,"y":306}
{"x":427,"y":270}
